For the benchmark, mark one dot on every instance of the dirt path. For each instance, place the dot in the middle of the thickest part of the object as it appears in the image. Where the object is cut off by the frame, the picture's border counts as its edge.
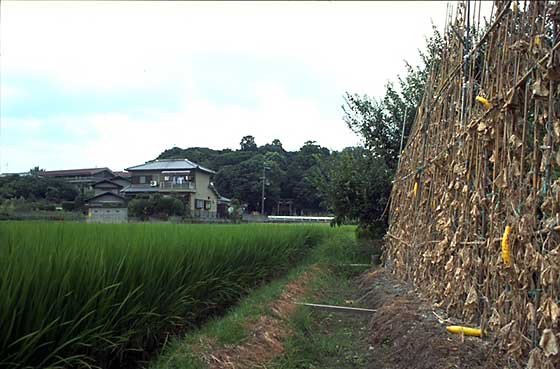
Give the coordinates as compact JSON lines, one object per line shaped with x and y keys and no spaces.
{"x":266,"y":335}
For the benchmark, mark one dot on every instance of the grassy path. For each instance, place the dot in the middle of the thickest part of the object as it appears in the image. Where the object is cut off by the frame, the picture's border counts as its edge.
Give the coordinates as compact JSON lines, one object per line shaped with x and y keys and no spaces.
{"x":267,"y":330}
{"x":327,"y":340}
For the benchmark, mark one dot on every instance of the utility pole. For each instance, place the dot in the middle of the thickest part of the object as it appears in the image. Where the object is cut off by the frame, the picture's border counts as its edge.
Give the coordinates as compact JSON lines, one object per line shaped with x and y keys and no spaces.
{"x":263,"y":184}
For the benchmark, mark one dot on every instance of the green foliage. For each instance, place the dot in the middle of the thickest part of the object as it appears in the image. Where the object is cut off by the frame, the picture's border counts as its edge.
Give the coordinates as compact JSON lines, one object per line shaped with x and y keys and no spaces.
{"x":73,"y":294}
{"x":231,"y":329}
{"x":235,"y":212}
{"x":34,"y":188}
{"x":157,"y":205}
{"x":291,"y":175}
{"x":359,"y":186}
{"x":68,"y":205}
{"x":248,"y":144}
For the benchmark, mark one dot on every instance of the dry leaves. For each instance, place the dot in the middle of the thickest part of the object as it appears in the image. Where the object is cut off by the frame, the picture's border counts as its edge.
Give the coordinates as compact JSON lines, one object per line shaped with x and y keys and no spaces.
{"x":498,"y":168}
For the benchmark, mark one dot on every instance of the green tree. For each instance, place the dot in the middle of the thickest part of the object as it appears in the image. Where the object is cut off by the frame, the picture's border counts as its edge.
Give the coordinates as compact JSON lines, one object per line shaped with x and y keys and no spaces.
{"x":248,"y":143}
{"x":359,"y":187}
{"x":34,"y":188}
{"x":360,"y":178}
{"x":35,"y":171}
{"x":156,"y":206}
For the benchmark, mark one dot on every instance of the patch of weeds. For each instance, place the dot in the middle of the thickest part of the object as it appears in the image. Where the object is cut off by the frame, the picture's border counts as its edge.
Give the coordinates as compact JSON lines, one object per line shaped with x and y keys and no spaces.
{"x":178,"y":355}
{"x":324,"y":340}
{"x":327,"y":340}
{"x":227,"y":330}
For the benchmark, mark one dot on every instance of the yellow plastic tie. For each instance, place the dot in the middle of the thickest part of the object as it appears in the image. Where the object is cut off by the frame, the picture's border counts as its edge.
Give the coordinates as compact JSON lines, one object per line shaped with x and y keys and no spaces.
{"x":415,"y":191}
{"x":505,"y":246}
{"x":537,"y":40}
{"x":457,"y":329}
{"x":484,"y":102}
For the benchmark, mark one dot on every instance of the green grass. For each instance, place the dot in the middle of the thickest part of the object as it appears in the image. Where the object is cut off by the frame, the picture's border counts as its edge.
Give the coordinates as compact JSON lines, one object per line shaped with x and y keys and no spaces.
{"x":226,"y":330}
{"x":81,"y":294}
{"x":326,"y":340}
{"x":330,"y":340}
{"x":314,"y":340}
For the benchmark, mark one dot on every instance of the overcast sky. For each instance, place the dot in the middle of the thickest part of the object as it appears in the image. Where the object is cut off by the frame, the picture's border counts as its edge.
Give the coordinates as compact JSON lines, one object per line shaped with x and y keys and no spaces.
{"x":87,"y":84}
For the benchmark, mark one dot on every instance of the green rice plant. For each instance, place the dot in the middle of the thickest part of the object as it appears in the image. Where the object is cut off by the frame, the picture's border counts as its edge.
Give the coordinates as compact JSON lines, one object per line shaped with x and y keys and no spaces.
{"x":83,"y":295}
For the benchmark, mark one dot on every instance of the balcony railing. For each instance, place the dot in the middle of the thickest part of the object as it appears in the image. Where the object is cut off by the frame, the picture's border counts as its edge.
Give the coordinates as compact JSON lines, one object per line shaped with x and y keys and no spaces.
{"x":171,"y":186}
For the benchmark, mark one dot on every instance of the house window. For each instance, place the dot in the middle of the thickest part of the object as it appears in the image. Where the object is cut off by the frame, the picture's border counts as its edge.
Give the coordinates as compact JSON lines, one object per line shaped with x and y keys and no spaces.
{"x":199,"y":204}
{"x":207,"y":205}
{"x":142,"y":179}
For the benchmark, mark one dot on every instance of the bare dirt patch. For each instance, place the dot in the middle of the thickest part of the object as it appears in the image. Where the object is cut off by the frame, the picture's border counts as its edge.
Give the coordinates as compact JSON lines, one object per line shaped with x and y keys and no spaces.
{"x":267,"y":333}
{"x":405,"y":332}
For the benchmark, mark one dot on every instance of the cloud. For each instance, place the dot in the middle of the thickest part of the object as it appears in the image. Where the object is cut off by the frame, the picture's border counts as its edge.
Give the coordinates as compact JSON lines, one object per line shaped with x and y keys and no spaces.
{"x":115,"y":83}
{"x":122,"y":45}
{"x":119,"y":140}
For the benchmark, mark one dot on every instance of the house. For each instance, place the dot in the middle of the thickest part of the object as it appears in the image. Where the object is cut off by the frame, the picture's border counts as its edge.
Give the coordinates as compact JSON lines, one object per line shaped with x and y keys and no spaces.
{"x":83,"y":179}
{"x":180,"y":178}
{"x":107,"y":204}
{"x":107,"y":207}
{"x":122,"y":178}
{"x":86,"y":179}
{"x":108,"y":186}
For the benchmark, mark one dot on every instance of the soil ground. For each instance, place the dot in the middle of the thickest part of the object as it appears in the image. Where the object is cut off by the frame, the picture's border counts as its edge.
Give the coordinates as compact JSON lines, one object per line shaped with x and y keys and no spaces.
{"x":405,"y":331}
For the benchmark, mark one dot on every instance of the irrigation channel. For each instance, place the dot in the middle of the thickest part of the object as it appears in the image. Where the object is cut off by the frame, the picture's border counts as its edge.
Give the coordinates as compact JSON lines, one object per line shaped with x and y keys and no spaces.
{"x":83,"y":295}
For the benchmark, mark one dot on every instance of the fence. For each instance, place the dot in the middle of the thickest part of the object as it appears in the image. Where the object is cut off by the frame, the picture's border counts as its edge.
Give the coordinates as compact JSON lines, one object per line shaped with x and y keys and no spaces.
{"x":475,"y":207}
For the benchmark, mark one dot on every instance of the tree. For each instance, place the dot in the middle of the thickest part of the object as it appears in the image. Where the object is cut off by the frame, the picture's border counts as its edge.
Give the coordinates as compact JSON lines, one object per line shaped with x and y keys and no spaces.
{"x":361,"y":178}
{"x":34,"y":188}
{"x":155,"y":206}
{"x":248,"y":143}
{"x":35,"y":171}
{"x":358,"y":188}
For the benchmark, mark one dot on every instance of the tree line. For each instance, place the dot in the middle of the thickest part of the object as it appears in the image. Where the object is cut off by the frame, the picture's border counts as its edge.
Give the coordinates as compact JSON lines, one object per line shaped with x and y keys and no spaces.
{"x":290,"y":175}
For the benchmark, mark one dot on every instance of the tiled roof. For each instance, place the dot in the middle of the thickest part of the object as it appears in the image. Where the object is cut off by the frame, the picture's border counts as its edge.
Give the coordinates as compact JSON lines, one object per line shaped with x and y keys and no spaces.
{"x":108,"y":181}
{"x":105,"y":194}
{"x":122,"y":174}
{"x":73,"y":172}
{"x":170,"y":164}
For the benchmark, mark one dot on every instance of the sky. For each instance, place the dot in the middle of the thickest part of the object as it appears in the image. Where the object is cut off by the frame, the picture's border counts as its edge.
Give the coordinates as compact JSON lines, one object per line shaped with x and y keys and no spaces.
{"x":94,"y":84}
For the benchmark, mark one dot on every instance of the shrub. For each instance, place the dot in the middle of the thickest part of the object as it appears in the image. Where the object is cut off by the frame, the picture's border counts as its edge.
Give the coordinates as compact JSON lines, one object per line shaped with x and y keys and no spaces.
{"x":156,"y":206}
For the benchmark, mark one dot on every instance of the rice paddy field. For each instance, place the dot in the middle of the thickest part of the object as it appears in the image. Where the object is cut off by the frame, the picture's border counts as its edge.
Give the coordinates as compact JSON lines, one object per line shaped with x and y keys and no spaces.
{"x":86,"y":295}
